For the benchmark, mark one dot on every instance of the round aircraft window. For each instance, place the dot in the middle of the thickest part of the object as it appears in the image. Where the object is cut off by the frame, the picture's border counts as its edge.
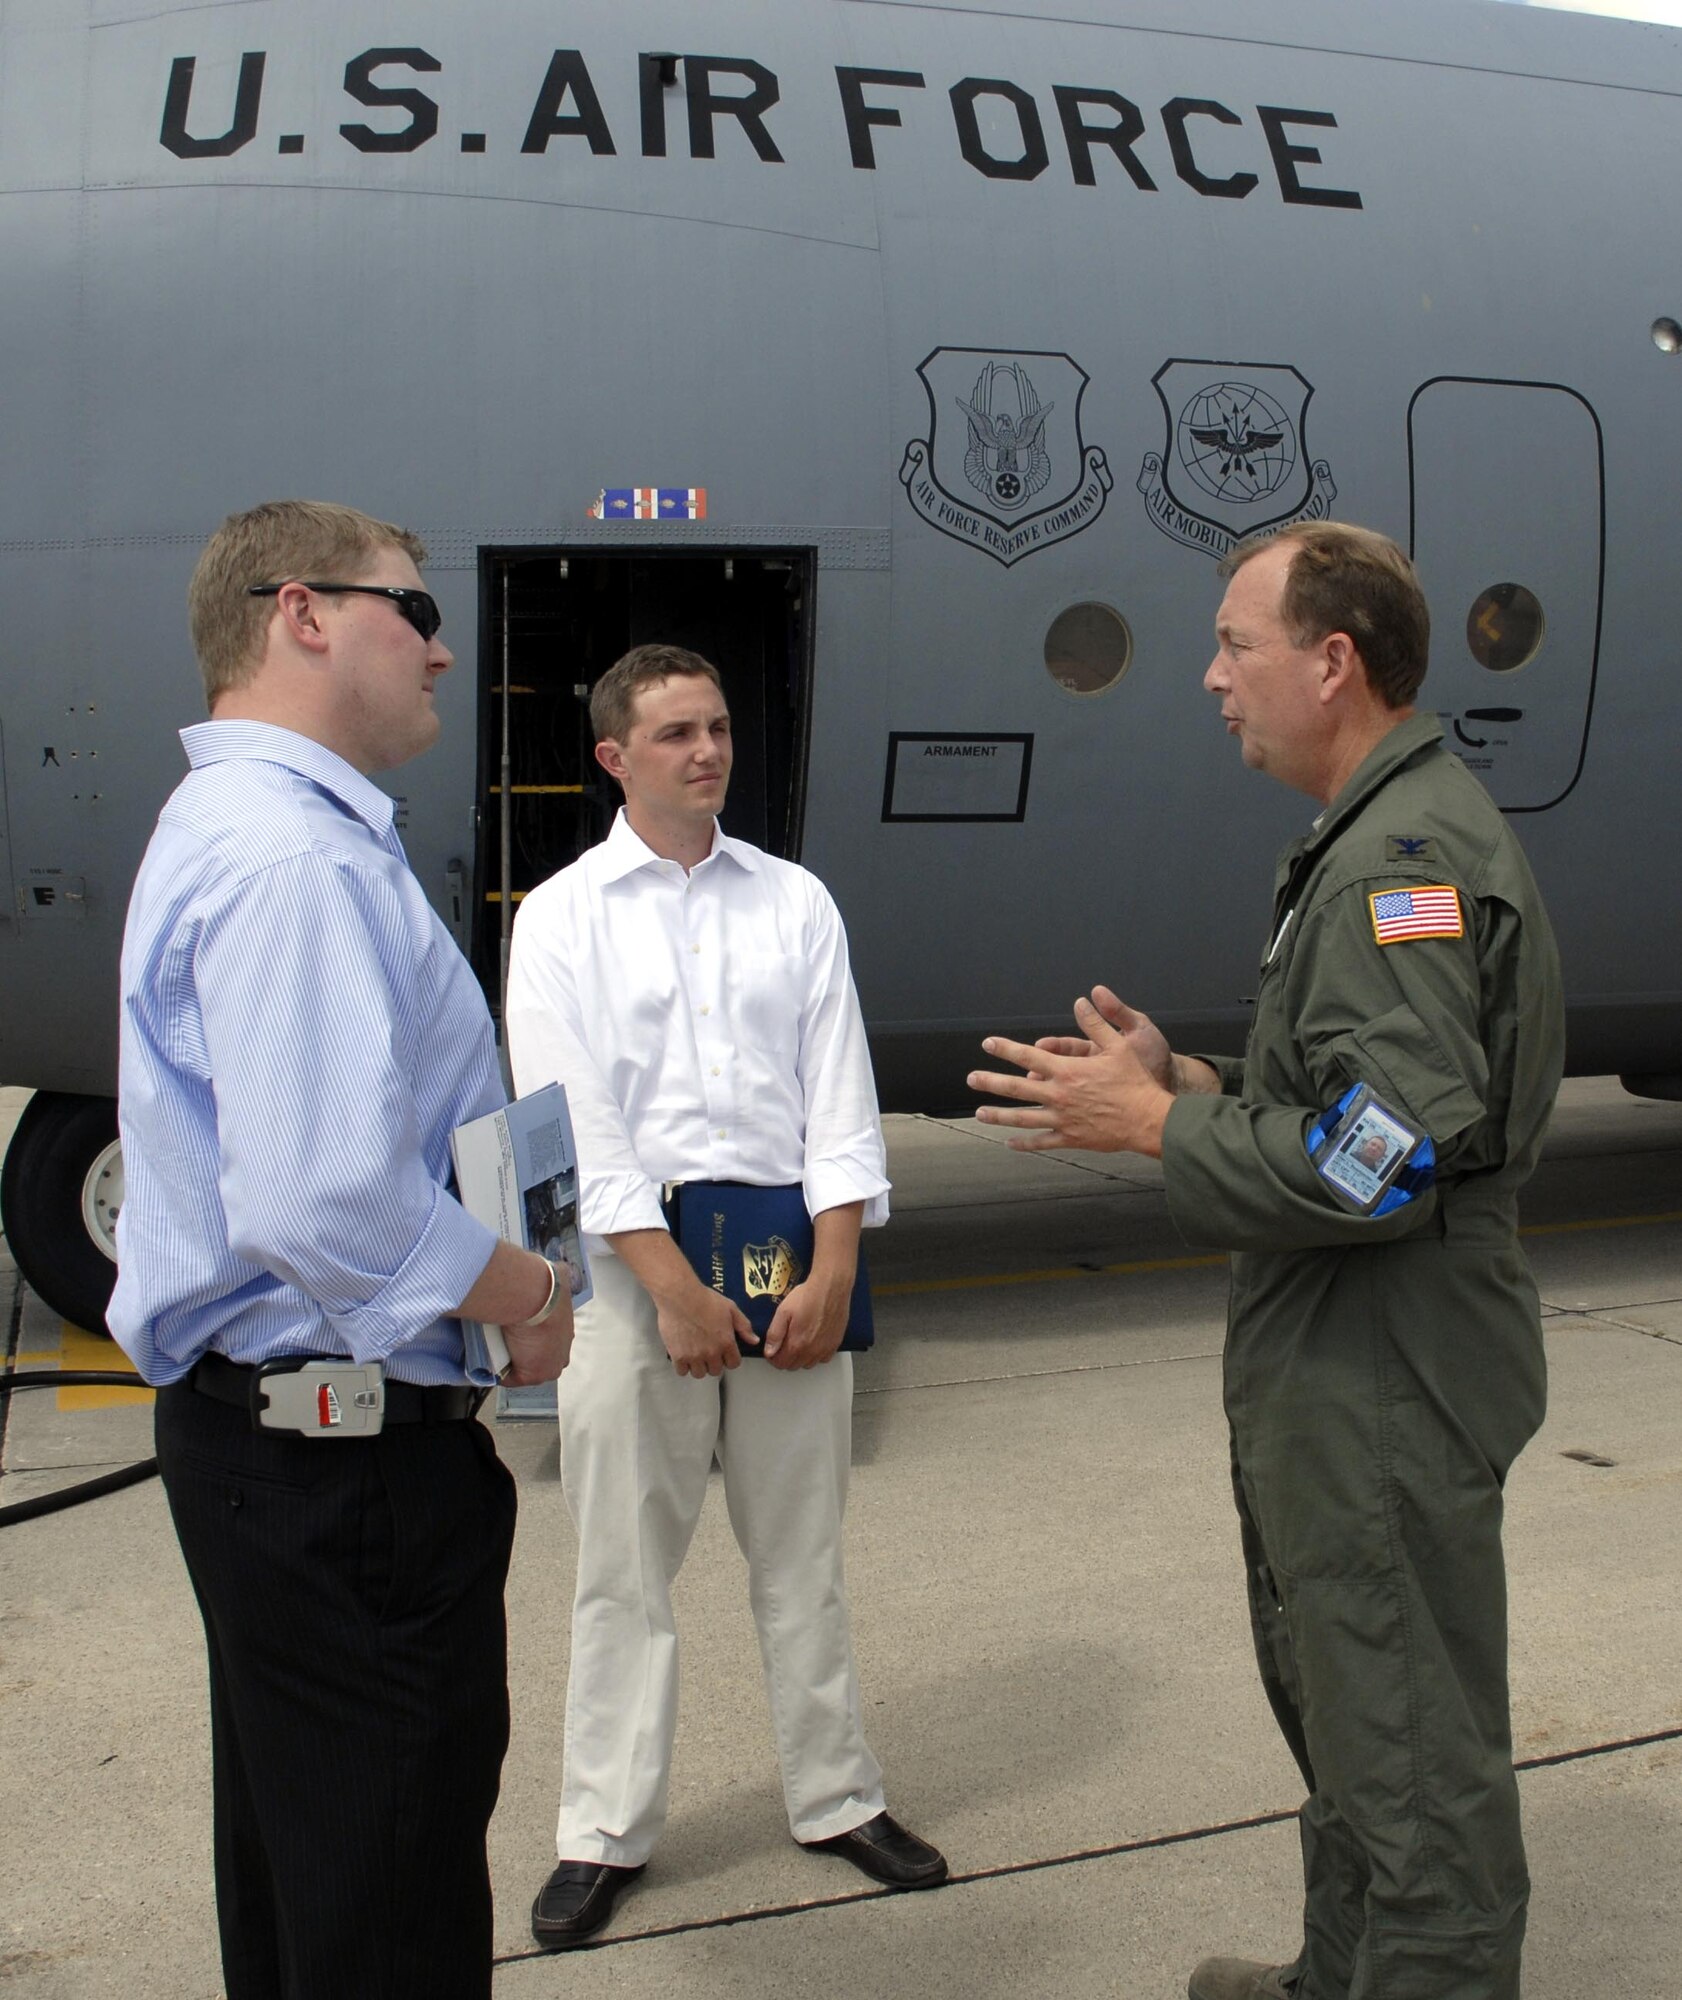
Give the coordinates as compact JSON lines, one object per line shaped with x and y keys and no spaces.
{"x":1667,"y":336}
{"x":1505,"y":627}
{"x":1088,"y":648}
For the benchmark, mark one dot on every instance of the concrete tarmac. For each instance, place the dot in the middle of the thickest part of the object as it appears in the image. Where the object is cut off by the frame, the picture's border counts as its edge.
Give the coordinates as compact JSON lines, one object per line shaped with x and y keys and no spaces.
{"x":1047,"y":1609}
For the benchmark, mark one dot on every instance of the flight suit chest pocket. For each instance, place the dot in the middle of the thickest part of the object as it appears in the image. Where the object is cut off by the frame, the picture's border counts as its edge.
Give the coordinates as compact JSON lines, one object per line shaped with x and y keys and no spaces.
{"x":1270,"y":973}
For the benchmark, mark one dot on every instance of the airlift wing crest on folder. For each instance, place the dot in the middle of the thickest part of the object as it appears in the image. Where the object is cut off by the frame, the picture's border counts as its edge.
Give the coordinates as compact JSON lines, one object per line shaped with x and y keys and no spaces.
{"x":770,"y":1270}
{"x":1004,"y":466}
{"x":1235,"y":459}
{"x":754,"y":1245}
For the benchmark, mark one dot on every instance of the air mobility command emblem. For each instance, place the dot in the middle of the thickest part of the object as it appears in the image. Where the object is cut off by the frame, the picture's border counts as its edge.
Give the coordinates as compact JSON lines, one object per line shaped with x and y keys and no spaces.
{"x":1004,"y":466}
{"x":1235,"y":459}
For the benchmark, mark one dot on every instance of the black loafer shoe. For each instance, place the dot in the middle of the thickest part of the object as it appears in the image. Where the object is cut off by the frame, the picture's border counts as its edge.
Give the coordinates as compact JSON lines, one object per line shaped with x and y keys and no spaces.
{"x":885,"y":1851}
{"x":576,"y":1901}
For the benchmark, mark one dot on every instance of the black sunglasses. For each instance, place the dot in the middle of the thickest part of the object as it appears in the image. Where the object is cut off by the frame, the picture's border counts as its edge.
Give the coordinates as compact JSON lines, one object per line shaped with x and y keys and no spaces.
{"x":416,"y":605}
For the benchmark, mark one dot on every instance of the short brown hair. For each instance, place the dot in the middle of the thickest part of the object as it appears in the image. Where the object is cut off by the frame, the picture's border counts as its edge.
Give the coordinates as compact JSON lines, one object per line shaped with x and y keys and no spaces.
{"x":280,"y":541}
{"x":1348,"y":579}
{"x":613,"y":699}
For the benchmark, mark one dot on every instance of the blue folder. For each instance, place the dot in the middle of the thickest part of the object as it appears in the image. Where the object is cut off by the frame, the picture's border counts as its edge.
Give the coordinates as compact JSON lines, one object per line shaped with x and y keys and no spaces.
{"x":754,"y":1244}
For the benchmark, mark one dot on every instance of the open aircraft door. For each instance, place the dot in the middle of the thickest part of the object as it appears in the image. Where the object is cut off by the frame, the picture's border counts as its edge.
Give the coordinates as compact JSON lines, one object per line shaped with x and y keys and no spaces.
{"x":1508,"y":529}
{"x":552,"y":621}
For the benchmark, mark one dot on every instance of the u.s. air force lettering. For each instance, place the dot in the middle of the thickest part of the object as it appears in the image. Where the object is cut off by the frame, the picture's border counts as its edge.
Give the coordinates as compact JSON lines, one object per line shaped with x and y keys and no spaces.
{"x":625,"y":102}
{"x":1004,"y":467}
{"x":1236,"y":459}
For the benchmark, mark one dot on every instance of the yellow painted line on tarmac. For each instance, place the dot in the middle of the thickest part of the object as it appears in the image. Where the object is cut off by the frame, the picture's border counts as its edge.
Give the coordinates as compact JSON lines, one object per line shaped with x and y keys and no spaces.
{"x":1601,"y":1222}
{"x":91,"y":1350}
{"x":1061,"y":1273}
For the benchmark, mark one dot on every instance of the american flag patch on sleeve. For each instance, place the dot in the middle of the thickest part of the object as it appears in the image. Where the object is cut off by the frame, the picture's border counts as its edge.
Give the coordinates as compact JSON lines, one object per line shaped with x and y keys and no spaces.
{"x":1432,"y":911}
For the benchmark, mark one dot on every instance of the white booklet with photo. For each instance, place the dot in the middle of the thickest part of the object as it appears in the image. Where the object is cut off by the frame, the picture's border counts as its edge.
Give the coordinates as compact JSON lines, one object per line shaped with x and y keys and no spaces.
{"x":517,"y":1172}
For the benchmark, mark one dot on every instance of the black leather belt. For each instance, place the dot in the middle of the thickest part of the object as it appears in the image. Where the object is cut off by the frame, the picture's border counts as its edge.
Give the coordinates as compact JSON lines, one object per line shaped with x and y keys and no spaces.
{"x":234,"y":1382}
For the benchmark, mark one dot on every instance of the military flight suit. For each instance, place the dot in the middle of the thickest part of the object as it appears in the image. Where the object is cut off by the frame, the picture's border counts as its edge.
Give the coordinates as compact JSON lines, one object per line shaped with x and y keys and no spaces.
{"x":1382,"y":1373}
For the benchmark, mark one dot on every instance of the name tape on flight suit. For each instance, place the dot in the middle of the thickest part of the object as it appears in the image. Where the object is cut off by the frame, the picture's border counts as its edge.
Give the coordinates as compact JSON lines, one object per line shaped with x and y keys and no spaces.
{"x":1369,"y":1156}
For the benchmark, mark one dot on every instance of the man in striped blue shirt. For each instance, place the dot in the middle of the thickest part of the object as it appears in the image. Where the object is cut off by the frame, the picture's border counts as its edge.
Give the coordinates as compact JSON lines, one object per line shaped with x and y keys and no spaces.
{"x":299,"y":1037}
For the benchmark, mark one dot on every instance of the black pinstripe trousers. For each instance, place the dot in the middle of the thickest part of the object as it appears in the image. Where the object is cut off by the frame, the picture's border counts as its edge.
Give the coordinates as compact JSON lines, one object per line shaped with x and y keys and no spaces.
{"x":352,"y":1597}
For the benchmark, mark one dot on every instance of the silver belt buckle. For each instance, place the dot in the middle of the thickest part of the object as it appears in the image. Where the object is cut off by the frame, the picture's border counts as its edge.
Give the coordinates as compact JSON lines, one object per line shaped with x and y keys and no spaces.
{"x":324,"y":1399}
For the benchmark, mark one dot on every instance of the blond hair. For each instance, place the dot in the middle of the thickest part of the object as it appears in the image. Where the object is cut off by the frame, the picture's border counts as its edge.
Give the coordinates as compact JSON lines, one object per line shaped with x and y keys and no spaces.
{"x":280,"y":541}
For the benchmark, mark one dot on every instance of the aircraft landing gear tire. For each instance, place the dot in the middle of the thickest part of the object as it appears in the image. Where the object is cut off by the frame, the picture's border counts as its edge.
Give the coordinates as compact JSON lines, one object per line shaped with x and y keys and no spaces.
{"x":60,"y":1191}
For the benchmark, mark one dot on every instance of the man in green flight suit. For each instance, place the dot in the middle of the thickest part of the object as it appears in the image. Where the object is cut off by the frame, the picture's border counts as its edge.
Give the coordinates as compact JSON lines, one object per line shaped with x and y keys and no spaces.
{"x":1383,"y":1362}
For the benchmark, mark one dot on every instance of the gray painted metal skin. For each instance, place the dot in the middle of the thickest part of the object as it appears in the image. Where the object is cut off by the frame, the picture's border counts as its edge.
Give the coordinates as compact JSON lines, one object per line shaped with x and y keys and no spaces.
{"x":425,"y":263}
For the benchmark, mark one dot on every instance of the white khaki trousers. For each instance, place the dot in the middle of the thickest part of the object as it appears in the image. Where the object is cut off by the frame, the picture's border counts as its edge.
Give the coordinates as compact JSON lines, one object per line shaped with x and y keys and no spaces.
{"x":637,"y":1443}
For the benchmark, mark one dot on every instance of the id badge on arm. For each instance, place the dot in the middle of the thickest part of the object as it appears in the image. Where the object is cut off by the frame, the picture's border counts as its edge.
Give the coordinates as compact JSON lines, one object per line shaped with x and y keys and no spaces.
{"x":1371,"y":1158}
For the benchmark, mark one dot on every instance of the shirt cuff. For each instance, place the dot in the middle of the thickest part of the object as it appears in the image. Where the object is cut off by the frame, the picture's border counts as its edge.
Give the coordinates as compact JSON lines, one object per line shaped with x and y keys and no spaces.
{"x":610,"y":1204}
{"x":834,"y":1183}
{"x":429,"y":1285}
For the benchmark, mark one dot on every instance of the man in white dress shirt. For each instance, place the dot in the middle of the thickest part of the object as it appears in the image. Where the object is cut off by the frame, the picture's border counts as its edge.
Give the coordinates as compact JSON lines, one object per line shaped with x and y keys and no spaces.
{"x":692,"y":992}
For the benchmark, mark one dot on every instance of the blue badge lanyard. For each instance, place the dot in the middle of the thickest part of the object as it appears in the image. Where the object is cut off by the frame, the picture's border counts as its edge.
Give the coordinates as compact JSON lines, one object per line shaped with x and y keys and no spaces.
{"x":1417,"y":1173}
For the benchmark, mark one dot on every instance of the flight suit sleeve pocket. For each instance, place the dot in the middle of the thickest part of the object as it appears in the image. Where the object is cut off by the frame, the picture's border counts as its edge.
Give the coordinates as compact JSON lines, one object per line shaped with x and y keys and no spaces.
{"x":1406,"y":1064}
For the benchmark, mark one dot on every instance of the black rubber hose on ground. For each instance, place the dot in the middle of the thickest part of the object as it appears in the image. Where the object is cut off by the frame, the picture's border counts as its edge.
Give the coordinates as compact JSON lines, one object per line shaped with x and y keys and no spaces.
{"x":86,"y":1489}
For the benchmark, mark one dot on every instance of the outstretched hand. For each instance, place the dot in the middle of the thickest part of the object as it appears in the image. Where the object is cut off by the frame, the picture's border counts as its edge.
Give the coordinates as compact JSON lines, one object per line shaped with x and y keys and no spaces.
{"x":1149,"y":1043}
{"x":1107,"y":1090}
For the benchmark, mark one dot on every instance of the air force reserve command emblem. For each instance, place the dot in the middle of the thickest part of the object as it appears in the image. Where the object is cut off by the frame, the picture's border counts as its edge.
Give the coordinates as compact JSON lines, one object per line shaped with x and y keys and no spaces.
{"x":1236,"y":458}
{"x":1004,"y":466}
